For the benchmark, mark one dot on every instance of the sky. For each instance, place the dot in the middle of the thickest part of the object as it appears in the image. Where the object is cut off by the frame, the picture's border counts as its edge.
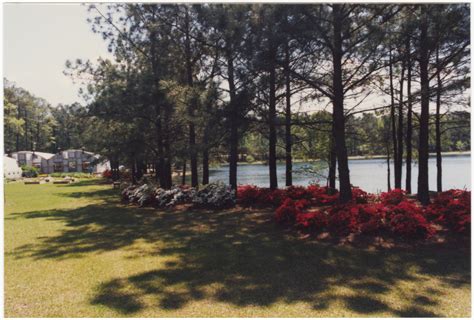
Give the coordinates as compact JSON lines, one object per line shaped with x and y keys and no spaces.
{"x":38,"y":39}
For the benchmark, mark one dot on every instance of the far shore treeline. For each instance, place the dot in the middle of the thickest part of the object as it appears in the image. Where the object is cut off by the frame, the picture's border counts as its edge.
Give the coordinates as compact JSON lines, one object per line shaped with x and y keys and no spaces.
{"x":193,"y":85}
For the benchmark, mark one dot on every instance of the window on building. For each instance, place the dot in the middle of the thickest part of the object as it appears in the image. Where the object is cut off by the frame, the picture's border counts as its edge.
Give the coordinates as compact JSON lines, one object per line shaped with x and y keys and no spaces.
{"x":58,"y":167}
{"x":72,"y":165}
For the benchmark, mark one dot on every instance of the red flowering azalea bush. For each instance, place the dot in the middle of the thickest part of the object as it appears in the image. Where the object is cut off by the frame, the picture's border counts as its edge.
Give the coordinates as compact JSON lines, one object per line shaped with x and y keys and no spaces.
{"x":372,"y":218}
{"x":393,"y":197}
{"x":302,"y":204}
{"x":107,"y":174}
{"x":253,"y":196}
{"x":248,"y":195}
{"x":407,"y":221}
{"x":269,"y":197}
{"x":320,"y":195}
{"x":390,"y":214}
{"x":297,"y":192}
{"x":360,"y":196}
{"x":357,"y":218}
{"x":286,"y":213}
{"x":312,"y":221}
{"x":452,"y":209}
{"x":343,"y":219}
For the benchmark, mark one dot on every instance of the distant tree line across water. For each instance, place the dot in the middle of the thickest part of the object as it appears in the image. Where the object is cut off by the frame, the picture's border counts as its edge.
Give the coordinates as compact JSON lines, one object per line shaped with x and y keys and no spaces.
{"x":194,"y":84}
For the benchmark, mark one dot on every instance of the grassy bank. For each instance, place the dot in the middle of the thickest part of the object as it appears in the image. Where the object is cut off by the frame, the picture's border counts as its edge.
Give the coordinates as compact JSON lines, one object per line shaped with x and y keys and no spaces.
{"x":74,"y":250}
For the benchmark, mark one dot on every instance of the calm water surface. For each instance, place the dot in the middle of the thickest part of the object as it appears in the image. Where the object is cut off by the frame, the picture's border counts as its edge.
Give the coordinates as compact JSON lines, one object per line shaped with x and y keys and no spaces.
{"x":370,"y":175}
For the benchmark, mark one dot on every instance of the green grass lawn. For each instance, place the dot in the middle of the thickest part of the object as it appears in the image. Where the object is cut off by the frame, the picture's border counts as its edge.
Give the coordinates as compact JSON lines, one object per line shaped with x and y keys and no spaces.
{"x":75,"y":251}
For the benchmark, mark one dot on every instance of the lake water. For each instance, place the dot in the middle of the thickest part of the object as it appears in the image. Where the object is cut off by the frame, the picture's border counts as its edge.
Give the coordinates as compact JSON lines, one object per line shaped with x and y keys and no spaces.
{"x":370,"y":175}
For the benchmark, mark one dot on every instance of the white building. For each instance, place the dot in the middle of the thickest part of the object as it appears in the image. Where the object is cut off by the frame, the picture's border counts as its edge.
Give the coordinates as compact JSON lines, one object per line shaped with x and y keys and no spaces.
{"x":76,"y":160}
{"x":35,"y":159}
{"x":73,"y":160}
{"x":11,"y":170}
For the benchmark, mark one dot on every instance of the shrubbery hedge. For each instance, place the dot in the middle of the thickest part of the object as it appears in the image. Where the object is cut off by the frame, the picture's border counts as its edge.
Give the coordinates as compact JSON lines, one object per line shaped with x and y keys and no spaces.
{"x":315,"y":209}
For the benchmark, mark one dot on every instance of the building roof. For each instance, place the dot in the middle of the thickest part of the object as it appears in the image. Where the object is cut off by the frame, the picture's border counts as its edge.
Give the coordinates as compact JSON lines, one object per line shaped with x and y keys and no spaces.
{"x":80,"y":150}
{"x":8,"y":160}
{"x":44,"y":155}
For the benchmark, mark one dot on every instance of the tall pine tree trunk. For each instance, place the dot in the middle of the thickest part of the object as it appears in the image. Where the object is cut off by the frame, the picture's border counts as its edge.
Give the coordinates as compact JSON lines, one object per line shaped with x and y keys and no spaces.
{"x":160,"y":171}
{"x":409,"y":122}
{"x":399,"y":164}
{"x":183,"y":175}
{"x":167,"y":172}
{"x":389,"y":186}
{"x":205,"y":151}
{"x":288,"y":142}
{"x":192,"y":131}
{"x":233,"y":120}
{"x":272,"y":128}
{"x":439,"y":169}
{"x":394,"y":126}
{"x":332,"y":160}
{"x":423,"y":186}
{"x":338,"y":109}
{"x":205,"y":166}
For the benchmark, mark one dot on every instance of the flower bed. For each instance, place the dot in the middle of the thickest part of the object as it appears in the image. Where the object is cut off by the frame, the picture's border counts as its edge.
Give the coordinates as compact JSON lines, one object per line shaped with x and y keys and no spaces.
{"x":315,"y":209}
{"x":213,"y":195}
{"x":452,"y":209}
{"x":252,"y":196}
{"x":392,"y":214}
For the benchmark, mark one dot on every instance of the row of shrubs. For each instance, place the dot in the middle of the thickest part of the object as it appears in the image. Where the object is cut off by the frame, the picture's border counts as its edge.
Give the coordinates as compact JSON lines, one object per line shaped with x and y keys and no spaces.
{"x":79,"y":175}
{"x":391,"y":213}
{"x":213,"y":196}
{"x":33,"y":172}
{"x":315,"y":209}
{"x":29,"y":171}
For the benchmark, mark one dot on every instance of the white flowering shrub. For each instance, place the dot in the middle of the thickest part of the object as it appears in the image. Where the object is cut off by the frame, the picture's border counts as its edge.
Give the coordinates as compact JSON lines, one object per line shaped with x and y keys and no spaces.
{"x":127,"y":191}
{"x":144,"y":195}
{"x":176,"y":195}
{"x":214,"y":195}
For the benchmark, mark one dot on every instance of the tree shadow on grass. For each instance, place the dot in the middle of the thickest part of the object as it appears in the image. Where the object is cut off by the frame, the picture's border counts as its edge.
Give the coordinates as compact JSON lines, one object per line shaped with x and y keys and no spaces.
{"x":242,"y":259}
{"x":102,"y":194}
